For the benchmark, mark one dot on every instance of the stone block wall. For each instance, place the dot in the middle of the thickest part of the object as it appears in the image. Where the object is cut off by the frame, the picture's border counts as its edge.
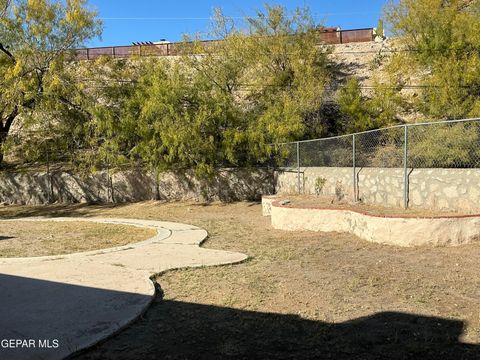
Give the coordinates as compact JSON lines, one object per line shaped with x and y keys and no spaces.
{"x":436,"y":189}
{"x":34,"y":188}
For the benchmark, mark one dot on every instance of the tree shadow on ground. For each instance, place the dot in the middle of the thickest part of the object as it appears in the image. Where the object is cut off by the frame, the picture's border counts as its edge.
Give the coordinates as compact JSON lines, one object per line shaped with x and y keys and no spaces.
{"x":57,"y":210}
{"x":179,"y":330}
{"x":85,"y":210}
{"x":76,"y":315}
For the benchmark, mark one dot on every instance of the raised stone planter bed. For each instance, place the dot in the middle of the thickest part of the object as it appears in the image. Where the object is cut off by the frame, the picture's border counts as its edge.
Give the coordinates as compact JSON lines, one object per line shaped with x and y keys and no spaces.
{"x":267,"y":204}
{"x":448,"y":230}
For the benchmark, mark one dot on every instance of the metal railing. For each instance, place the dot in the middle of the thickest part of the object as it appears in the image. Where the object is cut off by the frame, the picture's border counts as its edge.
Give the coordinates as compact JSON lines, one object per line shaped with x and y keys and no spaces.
{"x":174,"y":48}
{"x":436,"y":144}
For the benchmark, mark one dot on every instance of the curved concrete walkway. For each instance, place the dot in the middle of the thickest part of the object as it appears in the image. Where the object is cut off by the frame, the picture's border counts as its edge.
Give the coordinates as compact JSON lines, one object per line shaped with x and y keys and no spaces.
{"x":58,"y":305}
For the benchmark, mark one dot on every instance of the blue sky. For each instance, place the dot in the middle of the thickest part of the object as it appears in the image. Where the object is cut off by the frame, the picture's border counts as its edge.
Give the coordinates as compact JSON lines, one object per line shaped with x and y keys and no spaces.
{"x":126,"y":21}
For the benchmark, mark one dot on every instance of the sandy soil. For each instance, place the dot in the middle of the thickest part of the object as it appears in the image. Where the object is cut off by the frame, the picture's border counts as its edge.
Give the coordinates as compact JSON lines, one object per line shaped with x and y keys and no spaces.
{"x":301,"y":295}
{"x":27,"y":238}
{"x":329,"y":202}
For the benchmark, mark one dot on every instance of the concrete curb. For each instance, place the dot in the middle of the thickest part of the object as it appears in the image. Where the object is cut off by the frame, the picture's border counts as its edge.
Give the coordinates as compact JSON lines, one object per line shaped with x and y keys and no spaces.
{"x":162,"y":233}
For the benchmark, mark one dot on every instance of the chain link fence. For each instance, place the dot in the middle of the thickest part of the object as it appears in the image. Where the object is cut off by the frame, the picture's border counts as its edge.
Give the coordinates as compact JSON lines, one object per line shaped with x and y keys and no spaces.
{"x":445,"y":144}
{"x":441,"y":144}
{"x":335,"y":151}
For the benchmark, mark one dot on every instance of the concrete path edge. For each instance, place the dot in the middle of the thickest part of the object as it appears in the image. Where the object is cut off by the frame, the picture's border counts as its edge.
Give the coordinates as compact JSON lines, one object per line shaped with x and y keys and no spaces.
{"x":175,"y":246}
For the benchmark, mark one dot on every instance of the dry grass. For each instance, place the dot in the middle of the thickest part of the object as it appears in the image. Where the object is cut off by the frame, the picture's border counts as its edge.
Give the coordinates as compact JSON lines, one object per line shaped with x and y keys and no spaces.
{"x":303,"y":290}
{"x":313,"y":201}
{"x":27,"y":238}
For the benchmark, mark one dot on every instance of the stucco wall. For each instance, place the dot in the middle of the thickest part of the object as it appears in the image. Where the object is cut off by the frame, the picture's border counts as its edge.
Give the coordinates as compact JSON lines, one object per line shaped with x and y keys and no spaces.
{"x":385,"y":230}
{"x":438,"y":189}
{"x":33,"y":188}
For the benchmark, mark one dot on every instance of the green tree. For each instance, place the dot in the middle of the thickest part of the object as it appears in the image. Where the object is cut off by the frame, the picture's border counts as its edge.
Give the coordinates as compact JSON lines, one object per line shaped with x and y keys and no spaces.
{"x":290,"y":71}
{"x":36,"y":82}
{"x":443,"y":53}
{"x":362,"y":112}
{"x":352,"y":104}
{"x":224,"y":103}
{"x":4,"y":4}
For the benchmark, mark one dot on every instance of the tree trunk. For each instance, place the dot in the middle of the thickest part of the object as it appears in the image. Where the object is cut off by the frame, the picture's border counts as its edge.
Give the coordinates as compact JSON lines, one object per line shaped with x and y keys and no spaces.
{"x":4,"y":130}
{"x":3,"y":138}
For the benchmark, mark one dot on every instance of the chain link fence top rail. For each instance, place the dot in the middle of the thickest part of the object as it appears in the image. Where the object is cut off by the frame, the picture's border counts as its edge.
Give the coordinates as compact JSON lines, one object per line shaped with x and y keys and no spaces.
{"x":441,"y":144}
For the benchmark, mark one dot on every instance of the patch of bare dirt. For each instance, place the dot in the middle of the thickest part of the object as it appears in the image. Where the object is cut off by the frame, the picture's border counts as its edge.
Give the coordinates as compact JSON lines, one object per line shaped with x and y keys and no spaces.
{"x":330,"y":202}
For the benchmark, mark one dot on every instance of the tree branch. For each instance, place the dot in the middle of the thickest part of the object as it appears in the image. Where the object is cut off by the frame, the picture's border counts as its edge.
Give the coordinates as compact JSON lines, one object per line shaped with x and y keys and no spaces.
{"x":4,"y":7}
{"x":7,"y":123}
{"x":8,"y":53}
{"x":78,"y":108}
{"x":10,"y":119}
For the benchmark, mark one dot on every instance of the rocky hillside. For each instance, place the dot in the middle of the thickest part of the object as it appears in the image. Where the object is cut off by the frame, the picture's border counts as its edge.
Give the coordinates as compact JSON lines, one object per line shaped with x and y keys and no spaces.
{"x":361,"y":60}
{"x":366,"y":61}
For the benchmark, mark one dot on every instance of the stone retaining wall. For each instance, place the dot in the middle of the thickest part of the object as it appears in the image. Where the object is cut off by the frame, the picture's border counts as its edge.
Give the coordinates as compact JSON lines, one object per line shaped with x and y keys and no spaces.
{"x":437,"y":189}
{"x":34,"y":188}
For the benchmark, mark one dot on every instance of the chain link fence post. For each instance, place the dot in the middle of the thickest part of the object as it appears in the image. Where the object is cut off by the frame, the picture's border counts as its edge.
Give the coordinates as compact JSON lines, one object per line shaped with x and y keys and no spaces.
{"x":49,"y":180}
{"x":405,"y":168}
{"x":108,"y":182}
{"x":452,"y":144}
{"x":298,"y":168}
{"x":354,"y":165}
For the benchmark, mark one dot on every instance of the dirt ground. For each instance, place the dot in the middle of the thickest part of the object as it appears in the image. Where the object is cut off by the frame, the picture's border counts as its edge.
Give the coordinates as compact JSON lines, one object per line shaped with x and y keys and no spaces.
{"x":323,"y":202}
{"x":301,"y":295}
{"x":28,"y":238}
